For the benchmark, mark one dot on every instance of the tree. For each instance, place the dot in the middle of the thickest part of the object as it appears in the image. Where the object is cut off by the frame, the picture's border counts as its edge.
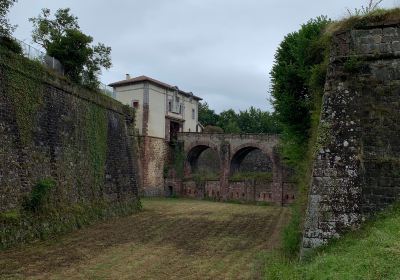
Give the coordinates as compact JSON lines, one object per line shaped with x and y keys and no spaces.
{"x":299,"y":63}
{"x":256,"y":121}
{"x":5,"y":27}
{"x":206,"y":115}
{"x":228,"y":121}
{"x":62,"y":38}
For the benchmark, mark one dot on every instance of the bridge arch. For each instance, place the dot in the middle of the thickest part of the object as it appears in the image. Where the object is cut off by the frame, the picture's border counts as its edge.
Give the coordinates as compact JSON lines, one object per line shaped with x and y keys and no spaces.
{"x":240,"y":153}
{"x":195,"y":152}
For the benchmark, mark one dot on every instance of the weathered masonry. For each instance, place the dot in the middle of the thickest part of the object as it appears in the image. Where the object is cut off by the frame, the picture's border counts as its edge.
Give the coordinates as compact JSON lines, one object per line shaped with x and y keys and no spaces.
{"x":227,"y":155}
{"x":84,"y":141}
{"x":357,"y":169}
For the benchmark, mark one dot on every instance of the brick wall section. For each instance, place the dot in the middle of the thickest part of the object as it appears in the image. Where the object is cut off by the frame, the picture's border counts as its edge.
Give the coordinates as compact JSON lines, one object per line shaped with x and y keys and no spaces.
{"x":59,"y":144}
{"x":256,"y":161}
{"x":154,"y":155}
{"x":356,"y":172}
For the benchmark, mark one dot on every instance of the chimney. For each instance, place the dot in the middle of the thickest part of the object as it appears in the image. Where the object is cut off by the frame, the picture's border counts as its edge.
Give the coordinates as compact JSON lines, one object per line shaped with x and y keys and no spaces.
{"x":128,"y":76}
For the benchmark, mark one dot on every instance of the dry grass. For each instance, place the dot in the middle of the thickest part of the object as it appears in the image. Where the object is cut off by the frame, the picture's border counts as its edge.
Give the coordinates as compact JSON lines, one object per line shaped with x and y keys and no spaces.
{"x":170,"y":239}
{"x":378,"y":16}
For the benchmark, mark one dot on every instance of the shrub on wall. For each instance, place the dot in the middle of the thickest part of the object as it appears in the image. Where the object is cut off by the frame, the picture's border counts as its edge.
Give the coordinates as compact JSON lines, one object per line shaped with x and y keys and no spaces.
{"x":39,"y":195}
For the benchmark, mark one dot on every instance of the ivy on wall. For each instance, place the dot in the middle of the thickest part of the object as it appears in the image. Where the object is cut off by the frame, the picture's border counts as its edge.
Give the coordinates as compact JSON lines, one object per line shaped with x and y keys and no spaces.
{"x":25,"y":90}
{"x":96,"y":128}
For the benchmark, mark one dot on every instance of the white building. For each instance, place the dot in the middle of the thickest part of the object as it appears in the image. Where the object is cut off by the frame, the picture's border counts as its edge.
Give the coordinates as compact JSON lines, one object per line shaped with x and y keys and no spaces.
{"x":162,"y":109}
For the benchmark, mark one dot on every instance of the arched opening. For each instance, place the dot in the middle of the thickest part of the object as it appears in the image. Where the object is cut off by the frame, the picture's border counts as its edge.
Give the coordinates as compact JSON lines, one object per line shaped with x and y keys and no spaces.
{"x":251,"y":160}
{"x":204,"y":161}
{"x":170,"y":191}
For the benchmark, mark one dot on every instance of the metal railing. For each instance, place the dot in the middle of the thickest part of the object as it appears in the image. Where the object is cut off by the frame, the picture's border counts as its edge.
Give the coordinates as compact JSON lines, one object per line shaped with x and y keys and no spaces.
{"x":107,"y":90}
{"x":54,"y":64}
{"x":35,"y":54}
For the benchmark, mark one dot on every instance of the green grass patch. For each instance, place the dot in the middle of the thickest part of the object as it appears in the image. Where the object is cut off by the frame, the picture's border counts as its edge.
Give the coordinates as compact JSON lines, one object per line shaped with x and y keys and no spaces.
{"x":373,"y":252}
{"x":248,"y":175}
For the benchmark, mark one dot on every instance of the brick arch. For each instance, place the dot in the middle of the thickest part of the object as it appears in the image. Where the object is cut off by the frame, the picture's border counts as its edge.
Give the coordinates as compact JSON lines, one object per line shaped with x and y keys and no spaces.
{"x":193,"y":152}
{"x":240,"y":152}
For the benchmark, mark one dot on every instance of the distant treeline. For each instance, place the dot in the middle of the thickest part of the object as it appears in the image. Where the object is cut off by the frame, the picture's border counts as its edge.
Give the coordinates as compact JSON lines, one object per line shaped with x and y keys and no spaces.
{"x":249,"y":121}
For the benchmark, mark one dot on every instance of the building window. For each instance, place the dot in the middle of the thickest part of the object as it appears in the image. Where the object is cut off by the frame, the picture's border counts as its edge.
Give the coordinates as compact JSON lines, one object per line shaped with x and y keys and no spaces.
{"x":193,"y":114}
{"x":135,"y":104}
{"x":180,"y":109}
{"x":169,"y":106}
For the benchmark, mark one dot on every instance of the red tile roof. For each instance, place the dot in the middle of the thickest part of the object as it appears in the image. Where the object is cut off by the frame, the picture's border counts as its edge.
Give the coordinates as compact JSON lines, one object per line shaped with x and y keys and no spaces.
{"x":142,"y":78}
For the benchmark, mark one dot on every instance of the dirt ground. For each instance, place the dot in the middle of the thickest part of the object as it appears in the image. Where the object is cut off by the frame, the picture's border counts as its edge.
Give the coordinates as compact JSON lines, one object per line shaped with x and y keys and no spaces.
{"x":169,"y":239}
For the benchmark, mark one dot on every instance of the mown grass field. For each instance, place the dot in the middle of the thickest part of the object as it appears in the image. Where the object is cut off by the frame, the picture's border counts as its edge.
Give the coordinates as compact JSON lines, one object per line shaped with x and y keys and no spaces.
{"x":169,"y":239}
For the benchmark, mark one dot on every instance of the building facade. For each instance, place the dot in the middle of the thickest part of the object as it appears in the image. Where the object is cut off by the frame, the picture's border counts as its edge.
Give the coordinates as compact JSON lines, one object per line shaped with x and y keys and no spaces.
{"x":162,"y":111}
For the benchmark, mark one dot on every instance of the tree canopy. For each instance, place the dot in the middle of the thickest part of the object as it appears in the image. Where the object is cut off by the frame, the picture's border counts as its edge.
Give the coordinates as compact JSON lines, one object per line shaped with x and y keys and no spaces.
{"x":299,"y":69}
{"x":206,"y":115}
{"x":62,"y":39}
{"x":249,"y":121}
{"x":5,"y":27}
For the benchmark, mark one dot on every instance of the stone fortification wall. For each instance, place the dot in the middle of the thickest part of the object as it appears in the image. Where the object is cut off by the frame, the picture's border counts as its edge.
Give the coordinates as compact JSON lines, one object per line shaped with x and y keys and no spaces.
{"x":80,"y":140}
{"x":154,"y":157}
{"x":356,"y":172}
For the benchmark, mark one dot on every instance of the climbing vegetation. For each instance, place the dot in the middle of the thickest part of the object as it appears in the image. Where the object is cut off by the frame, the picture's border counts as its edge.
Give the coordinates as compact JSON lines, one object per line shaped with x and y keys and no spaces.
{"x":24,"y":90}
{"x":96,"y":129}
{"x":298,"y":78}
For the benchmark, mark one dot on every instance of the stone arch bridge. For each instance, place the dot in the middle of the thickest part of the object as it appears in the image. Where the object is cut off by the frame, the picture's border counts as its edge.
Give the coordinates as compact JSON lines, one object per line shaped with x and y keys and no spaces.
{"x":230,"y":151}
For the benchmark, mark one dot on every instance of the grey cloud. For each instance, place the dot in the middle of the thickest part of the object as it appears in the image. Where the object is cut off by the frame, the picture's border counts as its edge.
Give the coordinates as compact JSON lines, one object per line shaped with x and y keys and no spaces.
{"x":221,"y":50}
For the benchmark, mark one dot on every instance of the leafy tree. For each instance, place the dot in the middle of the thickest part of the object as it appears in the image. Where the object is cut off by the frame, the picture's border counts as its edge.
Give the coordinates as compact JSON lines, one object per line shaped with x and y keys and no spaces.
{"x":62,"y":38}
{"x":256,"y":121}
{"x":228,"y":121}
{"x":298,"y":64}
{"x":206,"y":115}
{"x":5,"y":27}
{"x":249,"y":121}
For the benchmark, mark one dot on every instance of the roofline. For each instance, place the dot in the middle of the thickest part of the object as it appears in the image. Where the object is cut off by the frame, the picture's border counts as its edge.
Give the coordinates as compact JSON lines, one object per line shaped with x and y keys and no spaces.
{"x":154,"y":82}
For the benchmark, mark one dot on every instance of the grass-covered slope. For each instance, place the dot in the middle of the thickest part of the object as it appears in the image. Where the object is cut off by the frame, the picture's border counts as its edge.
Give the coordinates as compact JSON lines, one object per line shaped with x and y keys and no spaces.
{"x":372,"y":252}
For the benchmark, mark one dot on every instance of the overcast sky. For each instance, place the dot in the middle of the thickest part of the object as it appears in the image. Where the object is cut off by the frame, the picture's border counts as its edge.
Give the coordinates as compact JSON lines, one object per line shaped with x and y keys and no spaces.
{"x":221,"y":50}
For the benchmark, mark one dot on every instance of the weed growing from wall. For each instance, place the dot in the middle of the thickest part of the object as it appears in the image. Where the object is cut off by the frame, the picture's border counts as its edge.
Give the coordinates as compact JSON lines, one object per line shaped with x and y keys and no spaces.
{"x":179,"y":160}
{"x":39,"y":196}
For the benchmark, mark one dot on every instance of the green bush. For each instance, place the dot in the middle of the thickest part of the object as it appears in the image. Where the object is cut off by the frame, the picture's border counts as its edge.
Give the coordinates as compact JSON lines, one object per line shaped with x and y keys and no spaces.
{"x":298,"y":78}
{"x":258,"y":176}
{"x":11,"y":44}
{"x":39,"y":196}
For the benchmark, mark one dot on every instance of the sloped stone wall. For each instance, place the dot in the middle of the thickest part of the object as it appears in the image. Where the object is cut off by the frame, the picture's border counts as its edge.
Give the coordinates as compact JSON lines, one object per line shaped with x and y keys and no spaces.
{"x":356,"y":172}
{"x":49,"y":128}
